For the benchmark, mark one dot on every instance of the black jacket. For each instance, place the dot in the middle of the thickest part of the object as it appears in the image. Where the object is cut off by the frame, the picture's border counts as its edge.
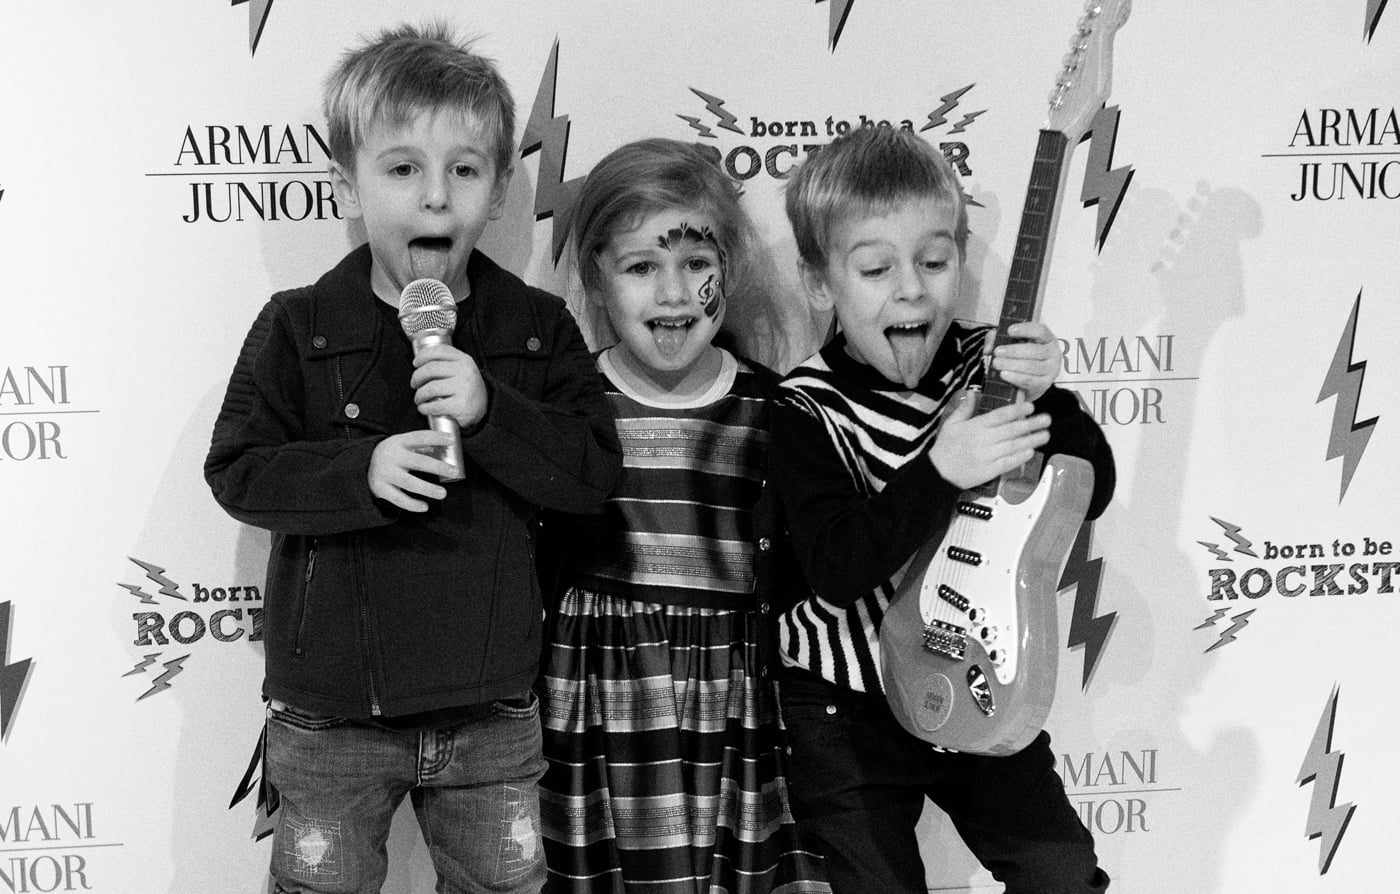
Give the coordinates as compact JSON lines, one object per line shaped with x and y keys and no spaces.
{"x":373,"y":611}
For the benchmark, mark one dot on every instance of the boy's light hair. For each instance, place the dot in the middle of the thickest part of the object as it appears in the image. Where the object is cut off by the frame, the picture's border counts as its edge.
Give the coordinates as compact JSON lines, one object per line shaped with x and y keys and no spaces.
{"x":407,"y":70}
{"x":867,"y":172}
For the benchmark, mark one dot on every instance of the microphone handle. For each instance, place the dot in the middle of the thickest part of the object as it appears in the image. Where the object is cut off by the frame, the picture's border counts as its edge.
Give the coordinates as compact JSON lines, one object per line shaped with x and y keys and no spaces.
{"x":452,"y":453}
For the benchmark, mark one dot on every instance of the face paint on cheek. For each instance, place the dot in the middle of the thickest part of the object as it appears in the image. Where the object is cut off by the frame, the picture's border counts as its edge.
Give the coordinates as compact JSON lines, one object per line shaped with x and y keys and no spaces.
{"x":711,"y":295}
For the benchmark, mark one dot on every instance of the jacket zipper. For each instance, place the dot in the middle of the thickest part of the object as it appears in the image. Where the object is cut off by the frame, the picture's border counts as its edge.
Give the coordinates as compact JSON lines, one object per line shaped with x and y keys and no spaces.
{"x":340,"y":393}
{"x":305,"y":596}
{"x":366,"y":639}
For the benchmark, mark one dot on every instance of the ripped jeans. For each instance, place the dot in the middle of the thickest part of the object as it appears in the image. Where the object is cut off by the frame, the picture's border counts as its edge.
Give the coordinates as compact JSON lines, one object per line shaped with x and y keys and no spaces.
{"x":474,"y":788}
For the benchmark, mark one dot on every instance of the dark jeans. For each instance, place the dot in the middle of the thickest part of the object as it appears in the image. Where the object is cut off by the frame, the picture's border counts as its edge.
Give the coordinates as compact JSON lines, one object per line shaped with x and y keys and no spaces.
{"x":857,"y":782}
{"x":474,"y":788}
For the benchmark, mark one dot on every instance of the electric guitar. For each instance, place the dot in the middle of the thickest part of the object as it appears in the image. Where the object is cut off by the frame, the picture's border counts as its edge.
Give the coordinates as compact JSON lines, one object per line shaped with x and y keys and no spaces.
{"x":969,"y":644}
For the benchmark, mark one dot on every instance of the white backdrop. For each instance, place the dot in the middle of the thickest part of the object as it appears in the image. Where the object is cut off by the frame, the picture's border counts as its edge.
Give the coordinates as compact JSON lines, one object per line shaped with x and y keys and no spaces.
{"x":1225,"y":624}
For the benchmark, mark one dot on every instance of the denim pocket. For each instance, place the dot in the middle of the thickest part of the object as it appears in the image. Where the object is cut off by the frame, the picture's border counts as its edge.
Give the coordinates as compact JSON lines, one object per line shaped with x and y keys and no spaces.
{"x":525,"y":707}
{"x":301,"y":719}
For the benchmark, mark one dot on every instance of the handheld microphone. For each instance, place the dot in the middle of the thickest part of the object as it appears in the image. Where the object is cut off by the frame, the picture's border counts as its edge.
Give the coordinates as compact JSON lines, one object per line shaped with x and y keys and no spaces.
{"x":428,"y":315}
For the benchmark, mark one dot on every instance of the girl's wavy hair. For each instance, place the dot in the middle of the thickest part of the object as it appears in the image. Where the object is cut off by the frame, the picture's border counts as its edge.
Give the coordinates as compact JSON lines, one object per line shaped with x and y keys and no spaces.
{"x":651,"y":175}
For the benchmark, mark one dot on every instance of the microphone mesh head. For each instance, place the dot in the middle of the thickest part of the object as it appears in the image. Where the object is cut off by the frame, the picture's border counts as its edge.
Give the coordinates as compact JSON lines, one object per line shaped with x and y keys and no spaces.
{"x":425,"y":305}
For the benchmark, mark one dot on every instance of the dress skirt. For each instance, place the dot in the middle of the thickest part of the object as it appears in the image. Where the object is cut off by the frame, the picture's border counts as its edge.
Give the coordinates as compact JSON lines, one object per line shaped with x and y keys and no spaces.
{"x":665,"y":763}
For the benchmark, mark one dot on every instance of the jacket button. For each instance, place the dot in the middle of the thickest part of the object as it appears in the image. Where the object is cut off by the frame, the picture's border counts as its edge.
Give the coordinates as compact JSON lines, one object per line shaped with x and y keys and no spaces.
{"x":831,"y":709}
{"x":765,"y":607}
{"x":765,"y":544}
{"x":318,"y":341}
{"x":533,"y":343}
{"x":352,"y":411}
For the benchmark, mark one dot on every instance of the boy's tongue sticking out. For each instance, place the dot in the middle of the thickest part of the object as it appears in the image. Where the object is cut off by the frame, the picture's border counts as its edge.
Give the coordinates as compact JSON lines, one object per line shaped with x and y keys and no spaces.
{"x":912,"y":352}
{"x":427,"y":258}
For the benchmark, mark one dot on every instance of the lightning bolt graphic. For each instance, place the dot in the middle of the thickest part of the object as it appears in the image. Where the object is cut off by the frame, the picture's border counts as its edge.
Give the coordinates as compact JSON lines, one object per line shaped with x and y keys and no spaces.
{"x":967,"y":119}
{"x":1242,"y":543}
{"x":550,"y":135}
{"x":173,"y":667}
{"x":1104,"y":185}
{"x":950,"y":101}
{"x":156,"y":575}
{"x":836,"y":22}
{"x":268,"y":798}
{"x":1210,"y":622}
{"x":1323,"y":767}
{"x":12,"y":676}
{"x":1374,"y":8}
{"x":1215,"y":548}
{"x":257,"y":20}
{"x":1085,"y":629}
{"x":715,"y":106}
{"x":1237,"y":623}
{"x":699,"y":125}
{"x":145,"y":662}
{"x":1349,"y":437}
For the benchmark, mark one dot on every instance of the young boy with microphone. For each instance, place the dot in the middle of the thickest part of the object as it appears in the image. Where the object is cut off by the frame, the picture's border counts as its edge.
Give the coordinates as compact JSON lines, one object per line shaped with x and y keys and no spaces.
{"x":402,"y":618}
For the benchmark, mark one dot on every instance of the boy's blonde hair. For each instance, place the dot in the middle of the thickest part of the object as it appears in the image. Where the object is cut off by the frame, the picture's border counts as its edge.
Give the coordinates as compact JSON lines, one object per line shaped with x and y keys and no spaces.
{"x":407,"y":70}
{"x":863,"y":173}
{"x":646,"y":176}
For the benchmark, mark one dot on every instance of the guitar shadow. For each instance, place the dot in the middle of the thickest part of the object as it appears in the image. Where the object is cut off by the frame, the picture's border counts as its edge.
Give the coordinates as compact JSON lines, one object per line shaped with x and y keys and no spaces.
{"x":1140,"y":698}
{"x":1172,"y":267}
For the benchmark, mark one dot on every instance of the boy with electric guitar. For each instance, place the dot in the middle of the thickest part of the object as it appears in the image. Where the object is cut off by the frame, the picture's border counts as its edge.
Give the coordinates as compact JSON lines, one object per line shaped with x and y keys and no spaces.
{"x":930,"y":526}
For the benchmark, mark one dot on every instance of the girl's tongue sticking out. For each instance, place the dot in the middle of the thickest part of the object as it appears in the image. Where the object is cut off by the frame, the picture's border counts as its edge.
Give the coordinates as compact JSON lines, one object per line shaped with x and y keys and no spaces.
{"x":670,"y":335}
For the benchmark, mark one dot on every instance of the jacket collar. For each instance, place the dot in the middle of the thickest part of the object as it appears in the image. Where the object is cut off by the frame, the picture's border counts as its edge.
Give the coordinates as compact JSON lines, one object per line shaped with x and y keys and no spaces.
{"x":345,"y":315}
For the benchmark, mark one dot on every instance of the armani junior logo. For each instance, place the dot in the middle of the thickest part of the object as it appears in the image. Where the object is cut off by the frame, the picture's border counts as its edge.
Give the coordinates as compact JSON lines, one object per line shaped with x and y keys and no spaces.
{"x":52,"y":847}
{"x":239,"y":173}
{"x":1344,"y":154}
{"x":38,"y":407}
{"x":166,"y":621}
{"x":1113,"y":791}
{"x":1244,"y":574}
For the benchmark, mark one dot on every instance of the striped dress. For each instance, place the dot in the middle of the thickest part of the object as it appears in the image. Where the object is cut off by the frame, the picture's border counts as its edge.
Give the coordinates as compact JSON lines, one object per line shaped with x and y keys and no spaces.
{"x":664,"y":757}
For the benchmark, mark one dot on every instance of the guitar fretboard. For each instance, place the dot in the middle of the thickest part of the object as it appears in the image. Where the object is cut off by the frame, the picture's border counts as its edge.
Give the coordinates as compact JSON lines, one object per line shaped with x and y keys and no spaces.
{"x":1029,"y":262}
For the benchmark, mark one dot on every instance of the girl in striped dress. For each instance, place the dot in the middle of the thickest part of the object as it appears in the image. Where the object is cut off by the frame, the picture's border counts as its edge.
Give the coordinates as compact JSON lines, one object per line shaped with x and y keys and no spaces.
{"x":665,"y":760}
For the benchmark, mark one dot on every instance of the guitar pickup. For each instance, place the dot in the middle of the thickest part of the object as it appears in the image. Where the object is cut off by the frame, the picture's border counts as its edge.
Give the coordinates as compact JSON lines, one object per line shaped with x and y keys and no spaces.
{"x":966,"y":556}
{"x":974,"y":509}
{"x":953,"y":598}
{"x":946,"y":639}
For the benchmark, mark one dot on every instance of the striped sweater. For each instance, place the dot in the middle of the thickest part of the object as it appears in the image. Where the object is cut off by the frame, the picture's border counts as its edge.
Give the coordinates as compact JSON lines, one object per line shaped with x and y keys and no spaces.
{"x":861,"y":496}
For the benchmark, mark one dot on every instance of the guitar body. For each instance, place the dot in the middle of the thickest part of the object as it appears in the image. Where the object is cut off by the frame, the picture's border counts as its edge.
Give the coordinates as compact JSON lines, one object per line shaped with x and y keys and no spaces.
{"x":957,"y":687}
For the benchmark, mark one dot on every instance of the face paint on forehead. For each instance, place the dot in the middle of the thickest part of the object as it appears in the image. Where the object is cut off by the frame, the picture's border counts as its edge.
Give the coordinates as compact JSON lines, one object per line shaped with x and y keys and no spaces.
{"x":686,"y":234}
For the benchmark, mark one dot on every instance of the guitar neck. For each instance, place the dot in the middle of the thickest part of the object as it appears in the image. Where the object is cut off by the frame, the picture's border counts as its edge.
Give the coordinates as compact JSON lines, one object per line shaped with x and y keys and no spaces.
{"x":1026,"y":282}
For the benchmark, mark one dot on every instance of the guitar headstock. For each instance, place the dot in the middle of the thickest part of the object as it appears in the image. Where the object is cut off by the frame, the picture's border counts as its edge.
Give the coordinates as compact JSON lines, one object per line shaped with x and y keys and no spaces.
{"x":1083,"y":85}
